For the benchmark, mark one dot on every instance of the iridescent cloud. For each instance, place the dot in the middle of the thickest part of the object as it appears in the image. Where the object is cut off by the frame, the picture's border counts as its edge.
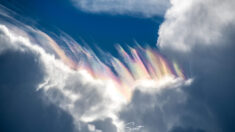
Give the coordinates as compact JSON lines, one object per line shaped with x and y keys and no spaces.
{"x":136,"y":66}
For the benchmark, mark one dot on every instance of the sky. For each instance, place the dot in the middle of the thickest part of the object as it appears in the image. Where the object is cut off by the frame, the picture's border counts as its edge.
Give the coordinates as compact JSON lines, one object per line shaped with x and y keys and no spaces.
{"x":117,"y":65}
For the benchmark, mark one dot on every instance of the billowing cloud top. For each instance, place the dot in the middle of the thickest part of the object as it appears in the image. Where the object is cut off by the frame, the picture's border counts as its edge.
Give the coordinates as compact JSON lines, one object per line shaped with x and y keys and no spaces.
{"x":146,"y":8}
{"x":180,"y":29}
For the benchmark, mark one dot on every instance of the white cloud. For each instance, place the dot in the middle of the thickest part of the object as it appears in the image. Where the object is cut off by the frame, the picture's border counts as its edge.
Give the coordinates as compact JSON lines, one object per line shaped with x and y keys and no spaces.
{"x":200,"y":34}
{"x":195,"y":22}
{"x":73,"y":91}
{"x":189,"y":24}
{"x":85,"y":98}
{"x":146,"y":8}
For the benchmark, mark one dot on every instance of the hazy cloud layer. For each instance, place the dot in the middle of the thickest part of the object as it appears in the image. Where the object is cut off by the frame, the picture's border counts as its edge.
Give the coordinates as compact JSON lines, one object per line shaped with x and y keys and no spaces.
{"x":145,"y":8}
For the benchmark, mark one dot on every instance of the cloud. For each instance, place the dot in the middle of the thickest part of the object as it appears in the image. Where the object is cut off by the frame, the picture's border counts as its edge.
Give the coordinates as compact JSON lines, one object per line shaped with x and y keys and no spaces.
{"x":146,"y":8}
{"x":22,"y":108}
{"x":69,"y":90}
{"x":155,"y":113}
{"x":199,"y":34}
{"x":180,"y":31}
{"x":92,"y":100}
{"x":93,"y":103}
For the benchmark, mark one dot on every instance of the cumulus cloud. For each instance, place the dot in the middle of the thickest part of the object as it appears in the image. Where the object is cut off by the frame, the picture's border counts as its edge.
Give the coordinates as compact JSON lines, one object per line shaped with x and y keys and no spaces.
{"x":146,"y":8}
{"x":189,"y":23}
{"x":199,"y":33}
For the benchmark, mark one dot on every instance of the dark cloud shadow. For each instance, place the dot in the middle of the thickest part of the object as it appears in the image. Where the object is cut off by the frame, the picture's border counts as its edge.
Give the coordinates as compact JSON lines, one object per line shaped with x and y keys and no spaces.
{"x":21,"y":107}
{"x":210,"y":105}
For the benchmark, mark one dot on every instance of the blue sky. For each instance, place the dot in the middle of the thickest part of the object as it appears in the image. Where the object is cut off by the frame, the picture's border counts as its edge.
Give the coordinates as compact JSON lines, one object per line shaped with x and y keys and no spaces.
{"x":102,"y":30}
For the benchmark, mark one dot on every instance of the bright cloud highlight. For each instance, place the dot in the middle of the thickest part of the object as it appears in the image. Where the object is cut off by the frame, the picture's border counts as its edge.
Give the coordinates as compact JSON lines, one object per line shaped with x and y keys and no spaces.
{"x":180,"y":29}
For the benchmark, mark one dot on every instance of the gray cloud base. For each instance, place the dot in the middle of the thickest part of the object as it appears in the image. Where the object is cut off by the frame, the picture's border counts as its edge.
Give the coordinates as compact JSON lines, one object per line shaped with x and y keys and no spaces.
{"x":22,"y":108}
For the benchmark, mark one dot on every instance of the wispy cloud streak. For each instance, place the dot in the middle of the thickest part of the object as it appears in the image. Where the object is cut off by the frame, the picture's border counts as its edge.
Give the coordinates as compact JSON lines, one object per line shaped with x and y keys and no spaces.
{"x":145,"y":8}
{"x":142,"y":66}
